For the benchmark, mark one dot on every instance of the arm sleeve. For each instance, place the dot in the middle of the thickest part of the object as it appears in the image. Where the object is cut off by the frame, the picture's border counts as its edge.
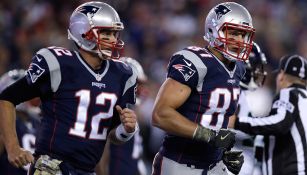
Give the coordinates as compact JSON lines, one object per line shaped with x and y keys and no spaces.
{"x":283,"y":114}
{"x":19,"y":92}
{"x":34,"y":84}
{"x":44,"y":71}
{"x":129,"y":93}
{"x":182,"y":70}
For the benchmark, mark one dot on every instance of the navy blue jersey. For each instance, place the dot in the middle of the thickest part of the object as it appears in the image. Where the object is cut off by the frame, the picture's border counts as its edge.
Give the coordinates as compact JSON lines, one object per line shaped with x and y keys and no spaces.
{"x":78,"y":104}
{"x":26,"y":131}
{"x":213,"y":99}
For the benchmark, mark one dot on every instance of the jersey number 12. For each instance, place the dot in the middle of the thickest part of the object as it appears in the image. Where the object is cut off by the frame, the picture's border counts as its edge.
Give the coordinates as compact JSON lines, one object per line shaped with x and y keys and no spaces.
{"x":82,"y":115}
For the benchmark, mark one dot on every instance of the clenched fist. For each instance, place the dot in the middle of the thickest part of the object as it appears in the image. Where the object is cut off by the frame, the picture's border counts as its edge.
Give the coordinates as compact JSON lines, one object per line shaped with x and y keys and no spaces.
{"x":127,"y":118}
{"x":233,"y":161}
{"x":19,"y":157}
{"x":224,"y":139}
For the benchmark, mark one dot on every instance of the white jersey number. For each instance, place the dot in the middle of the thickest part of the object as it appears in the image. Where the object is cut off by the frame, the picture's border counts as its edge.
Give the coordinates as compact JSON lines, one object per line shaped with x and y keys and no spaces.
{"x":82,"y":115}
{"x":219,"y":103}
{"x":60,"y":51}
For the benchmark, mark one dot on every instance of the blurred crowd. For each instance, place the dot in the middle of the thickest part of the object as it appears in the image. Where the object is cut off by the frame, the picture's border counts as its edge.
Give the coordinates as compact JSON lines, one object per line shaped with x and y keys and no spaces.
{"x":154,"y":29}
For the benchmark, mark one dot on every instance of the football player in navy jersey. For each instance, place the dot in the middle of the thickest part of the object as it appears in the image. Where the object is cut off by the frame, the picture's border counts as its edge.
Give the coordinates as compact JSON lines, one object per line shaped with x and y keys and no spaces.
{"x":27,"y":120}
{"x":85,"y":96}
{"x":253,"y":79}
{"x":126,"y":159}
{"x":200,"y":94}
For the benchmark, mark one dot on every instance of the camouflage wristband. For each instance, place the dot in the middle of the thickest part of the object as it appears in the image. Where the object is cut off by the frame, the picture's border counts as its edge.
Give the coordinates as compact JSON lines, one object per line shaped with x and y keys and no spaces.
{"x":203,"y":134}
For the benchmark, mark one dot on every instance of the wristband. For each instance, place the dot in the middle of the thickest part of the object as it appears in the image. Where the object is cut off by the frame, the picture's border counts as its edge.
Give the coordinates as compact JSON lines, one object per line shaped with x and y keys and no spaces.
{"x":122,"y":135}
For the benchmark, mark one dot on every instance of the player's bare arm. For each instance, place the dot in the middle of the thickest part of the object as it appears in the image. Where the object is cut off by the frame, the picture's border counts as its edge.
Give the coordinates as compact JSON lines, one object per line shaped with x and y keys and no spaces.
{"x":17,"y":156}
{"x":232,"y":120}
{"x":126,"y":129}
{"x":171,"y":96}
{"x":102,"y":166}
{"x":1,"y":144}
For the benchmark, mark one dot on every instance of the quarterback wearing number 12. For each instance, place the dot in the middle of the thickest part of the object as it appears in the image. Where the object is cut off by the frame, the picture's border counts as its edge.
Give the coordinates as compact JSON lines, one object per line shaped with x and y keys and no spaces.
{"x":84,"y":95}
{"x":200,"y":94}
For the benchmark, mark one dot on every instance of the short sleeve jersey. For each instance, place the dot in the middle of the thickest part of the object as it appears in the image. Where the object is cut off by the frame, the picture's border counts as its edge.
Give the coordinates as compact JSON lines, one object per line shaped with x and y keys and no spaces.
{"x":78,"y":103}
{"x":213,"y":99}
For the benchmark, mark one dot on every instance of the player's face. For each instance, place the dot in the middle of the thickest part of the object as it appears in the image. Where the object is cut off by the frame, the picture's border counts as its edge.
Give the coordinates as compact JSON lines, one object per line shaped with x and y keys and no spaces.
{"x":234,"y":39}
{"x":107,"y":39}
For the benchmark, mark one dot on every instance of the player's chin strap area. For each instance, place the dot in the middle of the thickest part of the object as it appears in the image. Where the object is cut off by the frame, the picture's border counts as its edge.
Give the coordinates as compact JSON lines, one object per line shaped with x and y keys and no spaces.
{"x":122,"y":135}
{"x":45,"y":165}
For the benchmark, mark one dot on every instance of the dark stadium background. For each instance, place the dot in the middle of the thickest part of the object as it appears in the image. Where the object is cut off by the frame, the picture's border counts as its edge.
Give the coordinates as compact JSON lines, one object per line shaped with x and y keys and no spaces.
{"x":154,"y":29}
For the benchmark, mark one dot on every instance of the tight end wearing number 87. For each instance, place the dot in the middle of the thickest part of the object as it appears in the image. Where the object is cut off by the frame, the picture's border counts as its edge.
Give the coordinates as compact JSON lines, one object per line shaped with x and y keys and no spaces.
{"x":201,"y":92}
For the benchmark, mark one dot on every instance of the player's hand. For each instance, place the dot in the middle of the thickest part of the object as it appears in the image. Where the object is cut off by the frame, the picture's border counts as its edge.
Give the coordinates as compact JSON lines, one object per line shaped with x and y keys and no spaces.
{"x":224,"y":139}
{"x":19,"y":157}
{"x":127,"y":118}
{"x":233,"y":161}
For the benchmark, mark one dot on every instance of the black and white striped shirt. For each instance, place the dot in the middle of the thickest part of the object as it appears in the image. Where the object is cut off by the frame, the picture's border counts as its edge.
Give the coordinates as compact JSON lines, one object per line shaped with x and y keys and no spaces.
{"x":285,"y":131}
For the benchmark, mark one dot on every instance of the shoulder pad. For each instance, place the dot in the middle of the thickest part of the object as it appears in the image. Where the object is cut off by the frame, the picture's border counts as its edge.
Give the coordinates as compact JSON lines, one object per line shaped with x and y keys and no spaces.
{"x":53,"y":66}
{"x":122,"y":66}
{"x":188,"y":64}
{"x":60,"y":51}
{"x":200,"y":51}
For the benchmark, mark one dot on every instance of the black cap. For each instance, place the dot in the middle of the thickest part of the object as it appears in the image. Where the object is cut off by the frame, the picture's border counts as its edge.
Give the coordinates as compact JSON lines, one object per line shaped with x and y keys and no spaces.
{"x":295,"y":65}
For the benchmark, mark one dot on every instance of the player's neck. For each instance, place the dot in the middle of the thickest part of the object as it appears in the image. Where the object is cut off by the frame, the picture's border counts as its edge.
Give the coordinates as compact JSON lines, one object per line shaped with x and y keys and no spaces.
{"x":219,"y":56}
{"x":94,"y":61}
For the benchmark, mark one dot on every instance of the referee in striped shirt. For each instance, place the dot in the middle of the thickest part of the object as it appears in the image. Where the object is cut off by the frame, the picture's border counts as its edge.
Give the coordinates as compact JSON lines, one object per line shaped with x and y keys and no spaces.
{"x":285,"y":129}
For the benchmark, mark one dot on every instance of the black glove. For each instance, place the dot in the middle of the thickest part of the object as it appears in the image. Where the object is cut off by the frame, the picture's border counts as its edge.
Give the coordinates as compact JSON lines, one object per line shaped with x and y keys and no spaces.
{"x":224,"y":139}
{"x":233,"y":161}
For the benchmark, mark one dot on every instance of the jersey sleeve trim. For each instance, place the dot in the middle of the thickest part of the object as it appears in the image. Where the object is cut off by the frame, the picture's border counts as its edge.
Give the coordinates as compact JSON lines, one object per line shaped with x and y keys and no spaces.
{"x":200,"y":66}
{"x":130,"y":82}
{"x":54,"y":68}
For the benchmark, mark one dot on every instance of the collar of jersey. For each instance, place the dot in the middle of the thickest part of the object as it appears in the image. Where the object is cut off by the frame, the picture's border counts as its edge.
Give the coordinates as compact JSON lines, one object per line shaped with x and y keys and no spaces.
{"x":97,"y":76}
{"x":230,"y":73}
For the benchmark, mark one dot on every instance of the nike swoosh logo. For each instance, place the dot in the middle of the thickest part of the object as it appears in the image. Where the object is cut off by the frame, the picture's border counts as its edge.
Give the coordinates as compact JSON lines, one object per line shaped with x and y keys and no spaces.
{"x":189,"y":64}
{"x":38,"y":58}
{"x":222,"y":138}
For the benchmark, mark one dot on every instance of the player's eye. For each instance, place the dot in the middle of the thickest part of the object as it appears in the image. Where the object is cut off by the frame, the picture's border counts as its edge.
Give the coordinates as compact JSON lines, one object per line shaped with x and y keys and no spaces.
{"x":104,"y":32}
{"x":107,"y":32}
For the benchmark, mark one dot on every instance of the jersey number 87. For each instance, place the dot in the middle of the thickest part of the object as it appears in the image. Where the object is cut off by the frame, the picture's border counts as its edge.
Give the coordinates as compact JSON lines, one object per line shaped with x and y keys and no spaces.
{"x":219,"y":102}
